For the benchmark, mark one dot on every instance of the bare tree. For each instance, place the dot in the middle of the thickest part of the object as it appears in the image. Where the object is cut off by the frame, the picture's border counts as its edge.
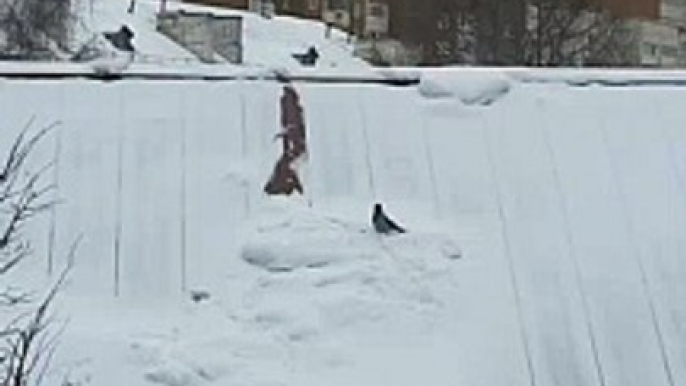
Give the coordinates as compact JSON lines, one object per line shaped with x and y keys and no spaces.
{"x":478,"y":32}
{"x":26,"y":341}
{"x":574,"y":32}
{"x":500,"y":27}
{"x":527,"y":32}
{"x":34,"y":29}
{"x":29,"y":344}
{"x":454,"y":32}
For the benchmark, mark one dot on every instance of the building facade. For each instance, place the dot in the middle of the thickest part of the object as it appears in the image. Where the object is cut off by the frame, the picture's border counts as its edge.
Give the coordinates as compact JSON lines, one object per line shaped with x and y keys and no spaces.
{"x":238,"y":4}
{"x":311,"y":9}
{"x":302,"y":8}
{"x":633,"y":9}
{"x":659,"y":34}
{"x":363,"y":18}
{"x":478,"y":32}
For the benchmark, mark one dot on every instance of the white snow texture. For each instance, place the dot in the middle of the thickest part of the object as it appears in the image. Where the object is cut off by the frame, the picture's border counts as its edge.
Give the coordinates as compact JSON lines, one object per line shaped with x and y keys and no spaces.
{"x":566,"y":203}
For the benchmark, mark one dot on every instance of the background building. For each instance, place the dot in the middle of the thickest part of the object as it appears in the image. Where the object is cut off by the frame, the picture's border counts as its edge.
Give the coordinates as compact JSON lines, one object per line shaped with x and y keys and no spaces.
{"x":633,"y":9}
{"x":492,"y":32}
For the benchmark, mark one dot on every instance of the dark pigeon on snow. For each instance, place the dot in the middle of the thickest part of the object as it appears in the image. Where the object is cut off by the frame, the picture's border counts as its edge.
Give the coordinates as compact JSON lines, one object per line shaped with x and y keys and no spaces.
{"x":382,"y":223}
{"x":122,"y":39}
{"x":308,"y":58}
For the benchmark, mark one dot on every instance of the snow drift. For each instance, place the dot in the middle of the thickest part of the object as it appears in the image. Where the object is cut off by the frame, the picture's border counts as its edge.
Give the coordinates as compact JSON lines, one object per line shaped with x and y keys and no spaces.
{"x":294,"y":239}
{"x":471,"y":86}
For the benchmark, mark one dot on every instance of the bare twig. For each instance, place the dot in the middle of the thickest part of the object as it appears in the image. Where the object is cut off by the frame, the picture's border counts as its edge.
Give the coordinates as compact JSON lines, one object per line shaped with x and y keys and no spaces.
{"x":28,"y":342}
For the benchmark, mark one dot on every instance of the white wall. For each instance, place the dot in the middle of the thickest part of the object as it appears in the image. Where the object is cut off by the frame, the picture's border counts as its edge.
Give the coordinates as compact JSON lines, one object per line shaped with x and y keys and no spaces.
{"x":142,"y":172}
{"x":580,"y":196}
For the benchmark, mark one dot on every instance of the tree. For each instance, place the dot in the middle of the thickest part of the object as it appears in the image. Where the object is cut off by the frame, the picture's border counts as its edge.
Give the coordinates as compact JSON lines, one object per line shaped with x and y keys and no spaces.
{"x":26,"y":342}
{"x":34,"y":29}
{"x":486,"y":32}
{"x":454,"y":32}
{"x":527,"y":32}
{"x":575,"y":32}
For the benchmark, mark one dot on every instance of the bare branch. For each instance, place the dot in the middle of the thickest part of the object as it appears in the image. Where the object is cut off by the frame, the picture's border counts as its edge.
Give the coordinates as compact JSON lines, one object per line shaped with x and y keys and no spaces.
{"x":27,"y":344}
{"x":28,"y":341}
{"x":35,"y":29}
{"x":14,"y":296}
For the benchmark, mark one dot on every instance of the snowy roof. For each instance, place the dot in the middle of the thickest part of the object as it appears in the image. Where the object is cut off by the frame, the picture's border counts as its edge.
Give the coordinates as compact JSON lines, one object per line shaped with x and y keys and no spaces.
{"x":268,"y":43}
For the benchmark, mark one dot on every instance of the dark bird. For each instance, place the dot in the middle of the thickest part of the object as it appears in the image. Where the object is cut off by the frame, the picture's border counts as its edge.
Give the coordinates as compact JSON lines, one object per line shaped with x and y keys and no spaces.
{"x":199,"y":295}
{"x":308,"y":58}
{"x":382,"y":224}
{"x":122,"y":39}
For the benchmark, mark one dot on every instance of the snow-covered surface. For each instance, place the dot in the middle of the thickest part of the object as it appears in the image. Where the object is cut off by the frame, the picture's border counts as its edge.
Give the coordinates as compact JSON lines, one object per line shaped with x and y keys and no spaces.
{"x":268,"y":43}
{"x":303,"y":239}
{"x":470,"y":87}
{"x":271,"y":42}
{"x":545,"y":211}
{"x":336,"y":321}
{"x":98,"y":16}
{"x":566,"y":203}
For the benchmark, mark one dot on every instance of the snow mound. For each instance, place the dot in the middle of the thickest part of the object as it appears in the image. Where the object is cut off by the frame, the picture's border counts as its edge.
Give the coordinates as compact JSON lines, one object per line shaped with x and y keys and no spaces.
{"x":184,"y":364}
{"x":471,"y":87}
{"x":304,"y":241}
{"x":304,"y":238}
{"x":320,"y":295}
{"x":321,"y":276}
{"x":111,"y":64}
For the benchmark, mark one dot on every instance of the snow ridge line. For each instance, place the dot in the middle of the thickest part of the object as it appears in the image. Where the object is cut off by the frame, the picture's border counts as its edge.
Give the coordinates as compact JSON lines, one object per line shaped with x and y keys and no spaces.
{"x":244,"y":150}
{"x":593,"y":81}
{"x":524,"y":334}
{"x":184,"y":76}
{"x":118,"y":230}
{"x":631,"y":233}
{"x":398,"y":78}
{"x":184,"y":198}
{"x":574,"y":257}
{"x":367,"y":146}
{"x":432,"y":169}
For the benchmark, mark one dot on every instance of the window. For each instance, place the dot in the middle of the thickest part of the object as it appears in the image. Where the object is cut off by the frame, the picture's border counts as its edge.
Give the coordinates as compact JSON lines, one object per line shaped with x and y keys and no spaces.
{"x":338,"y":5}
{"x":377,"y":10}
{"x":313,"y":5}
{"x":670,"y":51}
{"x":650,"y":49}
